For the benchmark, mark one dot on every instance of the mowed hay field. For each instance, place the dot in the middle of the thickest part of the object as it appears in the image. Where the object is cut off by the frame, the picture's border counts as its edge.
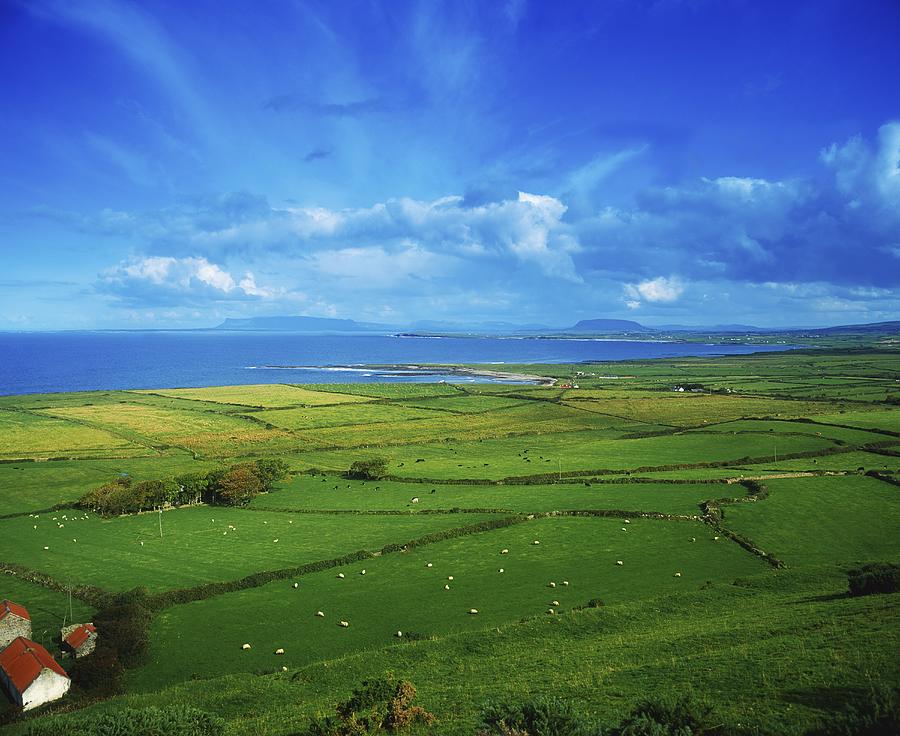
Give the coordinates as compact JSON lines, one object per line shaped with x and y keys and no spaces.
{"x":618,"y":470}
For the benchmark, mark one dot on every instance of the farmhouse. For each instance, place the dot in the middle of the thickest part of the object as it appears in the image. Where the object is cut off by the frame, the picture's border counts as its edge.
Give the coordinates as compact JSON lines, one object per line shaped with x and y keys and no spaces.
{"x":30,"y":676}
{"x":14,"y":622}
{"x":79,"y":639}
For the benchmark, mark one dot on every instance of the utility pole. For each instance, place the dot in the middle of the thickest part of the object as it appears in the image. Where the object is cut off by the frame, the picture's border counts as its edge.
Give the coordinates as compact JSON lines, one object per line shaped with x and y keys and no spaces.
{"x":160,"y":524}
{"x":559,"y":462}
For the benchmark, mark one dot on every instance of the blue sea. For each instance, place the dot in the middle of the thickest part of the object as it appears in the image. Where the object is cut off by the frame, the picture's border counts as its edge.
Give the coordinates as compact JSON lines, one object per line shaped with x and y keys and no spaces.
{"x":80,"y":361}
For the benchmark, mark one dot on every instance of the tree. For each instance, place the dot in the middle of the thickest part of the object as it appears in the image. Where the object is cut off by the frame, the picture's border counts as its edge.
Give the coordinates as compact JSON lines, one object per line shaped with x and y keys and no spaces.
{"x":373,"y":469}
{"x":238,"y":486}
{"x":269,"y":470}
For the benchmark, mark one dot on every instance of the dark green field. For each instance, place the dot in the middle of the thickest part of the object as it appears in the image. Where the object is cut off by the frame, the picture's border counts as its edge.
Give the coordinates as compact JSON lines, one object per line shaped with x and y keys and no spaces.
{"x":616,"y":471}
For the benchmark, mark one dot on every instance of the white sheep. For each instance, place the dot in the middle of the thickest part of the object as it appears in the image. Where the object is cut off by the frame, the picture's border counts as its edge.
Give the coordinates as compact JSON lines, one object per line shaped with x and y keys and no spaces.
{"x":554,"y":603}
{"x":46,"y":548}
{"x":693,"y":539}
{"x":399,"y":634}
{"x":274,"y":540}
{"x":279,"y":651}
{"x":284,"y":669}
{"x":551,"y":584}
{"x":296,"y":585}
{"x":428,"y":564}
{"x":142,"y":544}
{"x":565,"y":582}
{"x":551,"y":611}
{"x":502,"y":551}
{"x":715,"y":539}
{"x":473,"y":611}
{"x":414,"y":499}
{"x":619,"y":562}
{"x":446,"y":587}
{"x":362,"y":572}
{"x":344,"y":624}
{"x":449,"y":577}
{"x":340,"y":575}
{"x":536,"y":541}
{"x":627,"y":521}
{"x":500,"y":570}
{"x":74,"y":540}
{"x":320,"y":614}
{"x":245,"y":646}
{"x":624,"y":528}
{"x":677,"y":574}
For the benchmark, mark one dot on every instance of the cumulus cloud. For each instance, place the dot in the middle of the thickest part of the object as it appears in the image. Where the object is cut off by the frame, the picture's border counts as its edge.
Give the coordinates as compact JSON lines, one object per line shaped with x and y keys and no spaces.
{"x":164,"y":280}
{"x":840,"y":225}
{"x":659,"y":290}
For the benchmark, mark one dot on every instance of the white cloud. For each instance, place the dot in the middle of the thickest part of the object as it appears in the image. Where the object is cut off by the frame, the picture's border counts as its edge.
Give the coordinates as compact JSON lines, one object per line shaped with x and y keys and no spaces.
{"x":659,"y":290}
{"x":165,"y":280}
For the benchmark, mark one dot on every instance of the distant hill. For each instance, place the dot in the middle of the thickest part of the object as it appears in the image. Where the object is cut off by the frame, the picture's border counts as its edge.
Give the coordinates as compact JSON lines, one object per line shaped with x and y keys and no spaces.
{"x":871,"y":327}
{"x":301,"y":324}
{"x":710,"y":328}
{"x":607,"y":325}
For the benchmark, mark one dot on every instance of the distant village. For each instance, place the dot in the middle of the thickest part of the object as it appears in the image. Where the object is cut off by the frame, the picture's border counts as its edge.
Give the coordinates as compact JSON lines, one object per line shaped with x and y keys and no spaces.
{"x":29,"y":674}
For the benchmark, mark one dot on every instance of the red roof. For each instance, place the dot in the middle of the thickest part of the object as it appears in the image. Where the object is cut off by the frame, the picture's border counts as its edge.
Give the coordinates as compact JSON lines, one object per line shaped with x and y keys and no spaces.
{"x":24,"y":660}
{"x":80,"y":635}
{"x":14,"y":608}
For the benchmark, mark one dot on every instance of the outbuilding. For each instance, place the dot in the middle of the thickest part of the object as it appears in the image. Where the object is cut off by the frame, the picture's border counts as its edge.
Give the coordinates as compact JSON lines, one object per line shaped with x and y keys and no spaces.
{"x":30,"y":676}
{"x":79,"y":639}
{"x":14,"y":622}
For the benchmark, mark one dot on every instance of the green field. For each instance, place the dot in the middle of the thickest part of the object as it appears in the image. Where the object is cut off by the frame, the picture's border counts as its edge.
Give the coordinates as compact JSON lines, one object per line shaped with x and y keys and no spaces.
{"x":399,"y":593}
{"x":616,"y":470}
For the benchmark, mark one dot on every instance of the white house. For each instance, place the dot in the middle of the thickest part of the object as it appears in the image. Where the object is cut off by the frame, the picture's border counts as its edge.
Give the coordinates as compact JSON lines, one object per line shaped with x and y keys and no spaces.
{"x":30,"y":676}
{"x":14,"y":622}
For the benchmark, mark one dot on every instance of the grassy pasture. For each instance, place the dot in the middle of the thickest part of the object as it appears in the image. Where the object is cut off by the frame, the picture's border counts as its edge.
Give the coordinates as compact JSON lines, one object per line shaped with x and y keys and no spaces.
{"x":464,"y":404}
{"x":398,"y":592}
{"x":207,"y":433}
{"x":823,"y":521}
{"x":316,"y":493}
{"x":195,"y":547}
{"x":341,"y":415}
{"x":364,"y":391}
{"x":263,"y":395}
{"x":804,"y":648}
{"x":499,"y":458}
{"x":888,"y":419}
{"x":25,"y":435}
{"x":536,"y":418}
{"x":691,"y":410}
{"x":786,"y":429}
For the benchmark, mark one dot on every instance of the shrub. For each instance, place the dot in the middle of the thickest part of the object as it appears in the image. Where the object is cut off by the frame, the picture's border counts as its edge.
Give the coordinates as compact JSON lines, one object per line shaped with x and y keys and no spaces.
{"x":682,"y":716}
{"x":875,"y":714}
{"x":169,"y":720}
{"x":381,"y":705}
{"x":878,"y":577}
{"x":537,"y":717}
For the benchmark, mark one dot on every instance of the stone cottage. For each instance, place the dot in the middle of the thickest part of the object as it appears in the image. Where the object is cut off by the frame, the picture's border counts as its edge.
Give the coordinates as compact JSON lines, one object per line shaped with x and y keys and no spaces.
{"x":30,"y":676}
{"x":79,"y":639}
{"x":14,"y":622}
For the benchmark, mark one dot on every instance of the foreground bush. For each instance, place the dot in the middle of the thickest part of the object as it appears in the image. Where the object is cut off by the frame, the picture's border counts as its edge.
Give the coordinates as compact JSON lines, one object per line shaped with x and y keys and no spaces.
{"x":537,"y":717}
{"x":171,"y":720}
{"x":878,"y":577}
{"x":377,"y":706}
{"x":877,"y":713}
{"x":668,"y":717}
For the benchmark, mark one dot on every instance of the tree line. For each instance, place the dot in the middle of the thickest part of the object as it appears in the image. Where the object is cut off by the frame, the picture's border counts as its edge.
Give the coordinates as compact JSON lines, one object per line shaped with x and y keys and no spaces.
{"x":236,"y":485}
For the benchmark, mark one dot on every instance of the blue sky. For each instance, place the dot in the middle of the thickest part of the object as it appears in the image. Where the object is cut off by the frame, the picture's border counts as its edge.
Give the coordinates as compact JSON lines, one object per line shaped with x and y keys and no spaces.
{"x":169,"y":164}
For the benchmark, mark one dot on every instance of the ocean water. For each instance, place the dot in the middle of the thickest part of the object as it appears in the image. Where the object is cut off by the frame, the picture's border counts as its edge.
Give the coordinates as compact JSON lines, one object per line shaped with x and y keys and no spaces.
{"x":80,"y":361}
